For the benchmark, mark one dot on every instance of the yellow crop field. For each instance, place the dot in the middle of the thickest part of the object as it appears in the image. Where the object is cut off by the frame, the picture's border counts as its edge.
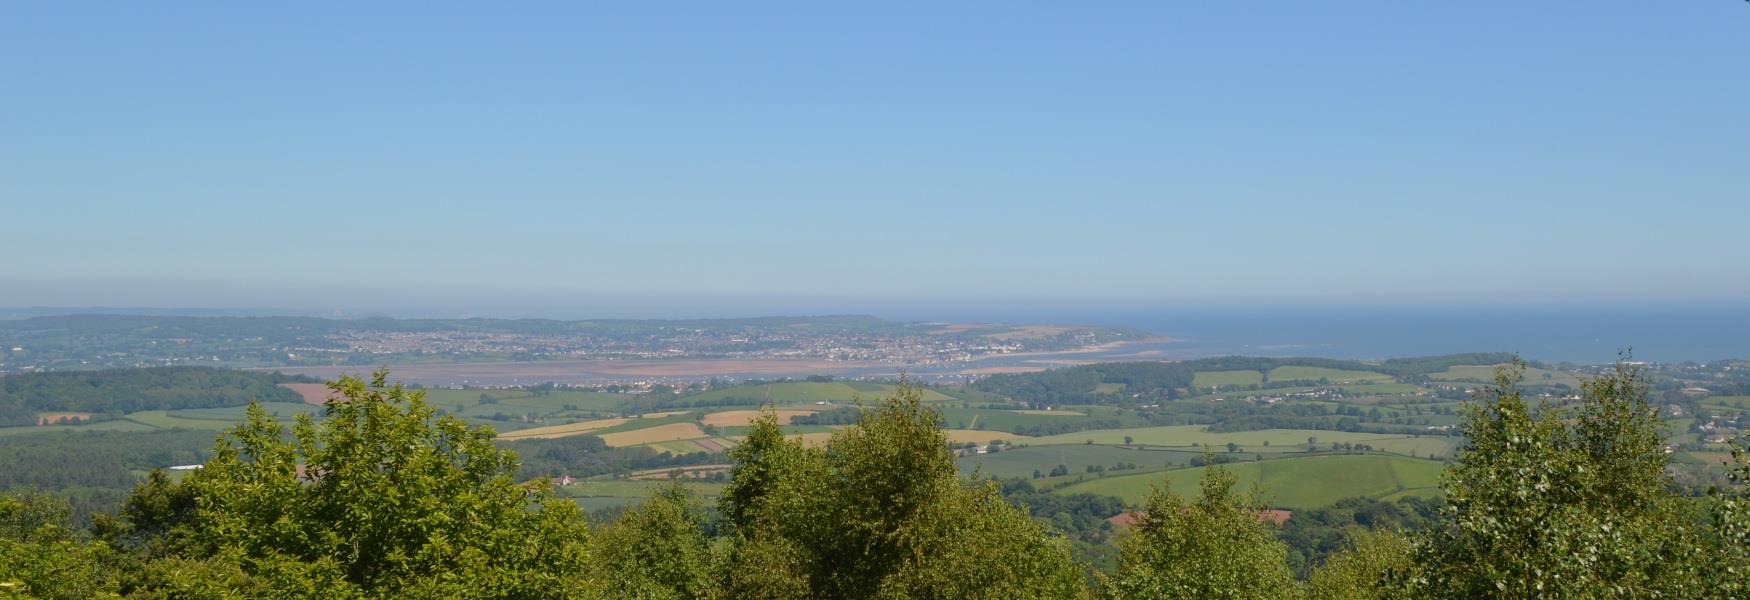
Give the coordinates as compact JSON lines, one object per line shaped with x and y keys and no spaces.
{"x":559,"y":431}
{"x":651,"y":435}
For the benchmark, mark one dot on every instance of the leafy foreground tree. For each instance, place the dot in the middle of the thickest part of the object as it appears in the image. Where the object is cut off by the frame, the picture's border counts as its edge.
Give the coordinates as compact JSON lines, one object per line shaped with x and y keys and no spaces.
{"x":657,"y":550}
{"x":383,"y":498}
{"x":1562,"y":501}
{"x":1729,"y":545}
{"x":879,"y":512}
{"x":40,"y":557}
{"x":1216,"y":547}
{"x":1357,"y":573}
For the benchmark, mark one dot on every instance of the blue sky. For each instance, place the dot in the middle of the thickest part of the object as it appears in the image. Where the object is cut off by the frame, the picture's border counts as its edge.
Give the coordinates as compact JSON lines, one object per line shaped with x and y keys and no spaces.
{"x":737,"y":157}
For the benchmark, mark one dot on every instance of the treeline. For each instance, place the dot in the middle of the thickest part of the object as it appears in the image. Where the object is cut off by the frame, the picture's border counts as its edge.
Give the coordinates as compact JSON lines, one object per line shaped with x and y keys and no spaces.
{"x":95,"y":469}
{"x":1142,"y":381}
{"x":1081,"y":517}
{"x":1314,"y":536}
{"x":843,"y":415}
{"x":112,"y":393}
{"x":388,"y":498}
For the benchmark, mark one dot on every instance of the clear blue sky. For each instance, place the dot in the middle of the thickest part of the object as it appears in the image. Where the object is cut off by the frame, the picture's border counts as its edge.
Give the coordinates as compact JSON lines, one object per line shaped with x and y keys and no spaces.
{"x":758,"y":158}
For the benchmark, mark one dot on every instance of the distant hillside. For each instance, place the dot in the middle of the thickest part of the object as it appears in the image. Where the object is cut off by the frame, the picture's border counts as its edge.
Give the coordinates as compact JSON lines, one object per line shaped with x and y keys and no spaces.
{"x":120,"y":391}
{"x":84,"y":341}
{"x":1141,"y":382}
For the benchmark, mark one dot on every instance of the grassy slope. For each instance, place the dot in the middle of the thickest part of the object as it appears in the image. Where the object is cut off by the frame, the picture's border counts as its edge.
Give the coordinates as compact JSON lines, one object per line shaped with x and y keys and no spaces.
{"x":1295,"y":483}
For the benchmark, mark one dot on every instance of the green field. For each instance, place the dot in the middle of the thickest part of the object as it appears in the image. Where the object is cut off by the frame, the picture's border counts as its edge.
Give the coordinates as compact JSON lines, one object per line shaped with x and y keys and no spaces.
{"x":596,"y":494}
{"x":1004,"y":420}
{"x":116,"y":425}
{"x":210,"y":419}
{"x":1207,"y":379}
{"x":1486,"y":374}
{"x":1021,"y":462}
{"x":1186,"y":435}
{"x":1335,"y":375}
{"x":1733,"y":403}
{"x":1294,"y":483}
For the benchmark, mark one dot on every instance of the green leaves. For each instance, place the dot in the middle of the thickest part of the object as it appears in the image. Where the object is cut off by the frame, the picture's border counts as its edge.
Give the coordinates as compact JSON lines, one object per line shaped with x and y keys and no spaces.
{"x":879,"y":512}
{"x":657,"y":550}
{"x":1214,"y":547}
{"x":384,"y":497}
{"x":1561,"y":500}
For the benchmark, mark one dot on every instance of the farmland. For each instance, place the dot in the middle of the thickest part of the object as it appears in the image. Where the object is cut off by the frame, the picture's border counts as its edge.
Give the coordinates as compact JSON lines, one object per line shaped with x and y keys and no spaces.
{"x":806,"y":393}
{"x":558,"y":431}
{"x":1309,"y":431}
{"x":1294,"y":483}
{"x":1190,"y":436}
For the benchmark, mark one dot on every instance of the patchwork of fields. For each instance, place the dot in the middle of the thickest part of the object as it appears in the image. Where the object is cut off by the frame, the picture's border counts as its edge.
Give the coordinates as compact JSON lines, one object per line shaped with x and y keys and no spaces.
{"x":1391,"y":445}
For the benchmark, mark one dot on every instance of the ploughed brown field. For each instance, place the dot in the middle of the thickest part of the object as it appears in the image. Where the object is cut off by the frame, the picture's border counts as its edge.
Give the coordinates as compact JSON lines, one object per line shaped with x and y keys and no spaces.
{"x":51,"y":418}
{"x":313,"y":393}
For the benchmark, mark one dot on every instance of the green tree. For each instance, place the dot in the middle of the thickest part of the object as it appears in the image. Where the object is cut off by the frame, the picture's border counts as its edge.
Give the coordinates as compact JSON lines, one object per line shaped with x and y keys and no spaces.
{"x":1561,"y":501}
{"x":1728,"y":567}
{"x":657,"y":550}
{"x":383,"y":498}
{"x":880,"y":512}
{"x":40,"y":557}
{"x":1369,"y":569}
{"x":1216,"y":547}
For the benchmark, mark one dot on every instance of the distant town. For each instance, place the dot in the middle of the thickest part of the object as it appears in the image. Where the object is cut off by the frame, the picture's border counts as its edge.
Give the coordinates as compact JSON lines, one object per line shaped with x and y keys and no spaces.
{"x":77,"y":342}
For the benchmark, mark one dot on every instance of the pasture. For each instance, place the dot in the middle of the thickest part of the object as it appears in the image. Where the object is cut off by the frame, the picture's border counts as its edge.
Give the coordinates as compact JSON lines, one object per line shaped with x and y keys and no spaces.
{"x":217,"y":419}
{"x":597,"y":494}
{"x":1486,"y":374}
{"x":1022,"y":462}
{"x":1293,"y":483}
{"x":1188,"y":435}
{"x":1337,"y":376}
{"x":1004,"y":420}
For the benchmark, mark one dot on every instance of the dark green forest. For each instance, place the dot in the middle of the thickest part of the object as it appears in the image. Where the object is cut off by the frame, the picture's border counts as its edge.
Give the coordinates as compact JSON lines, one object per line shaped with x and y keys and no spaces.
{"x":112,"y":393}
